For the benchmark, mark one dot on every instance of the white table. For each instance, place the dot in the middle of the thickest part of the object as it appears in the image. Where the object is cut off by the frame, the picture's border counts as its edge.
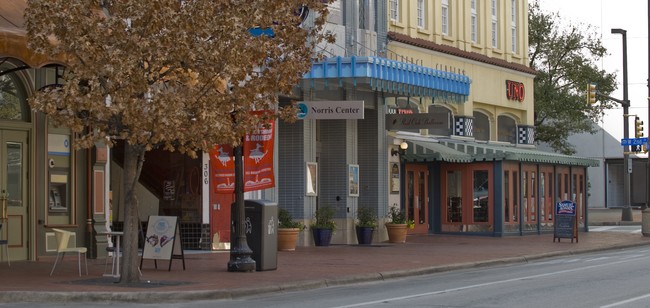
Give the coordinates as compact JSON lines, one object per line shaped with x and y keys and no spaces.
{"x":115,"y":269}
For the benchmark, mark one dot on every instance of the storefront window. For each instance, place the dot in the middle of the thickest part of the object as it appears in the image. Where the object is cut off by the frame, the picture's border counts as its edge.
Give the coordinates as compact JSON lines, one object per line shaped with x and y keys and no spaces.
{"x":515,"y":204}
{"x":506,"y":193}
{"x":524,"y":193}
{"x":481,"y":196}
{"x":531,"y":209}
{"x":454,"y":196}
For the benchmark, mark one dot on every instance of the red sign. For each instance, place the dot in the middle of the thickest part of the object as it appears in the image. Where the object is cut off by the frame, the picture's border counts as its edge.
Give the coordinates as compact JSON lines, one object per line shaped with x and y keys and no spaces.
{"x":222,"y":165}
{"x":258,"y":158}
{"x":258,"y":162}
{"x":515,"y":90}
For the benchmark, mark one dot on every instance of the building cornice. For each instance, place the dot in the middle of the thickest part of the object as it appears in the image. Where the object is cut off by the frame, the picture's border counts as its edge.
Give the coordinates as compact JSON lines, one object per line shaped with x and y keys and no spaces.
{"x":405,"y":39}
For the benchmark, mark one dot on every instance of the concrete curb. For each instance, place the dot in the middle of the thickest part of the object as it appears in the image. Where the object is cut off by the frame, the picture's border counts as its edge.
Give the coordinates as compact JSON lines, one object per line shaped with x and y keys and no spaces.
{"x":186,"y":296}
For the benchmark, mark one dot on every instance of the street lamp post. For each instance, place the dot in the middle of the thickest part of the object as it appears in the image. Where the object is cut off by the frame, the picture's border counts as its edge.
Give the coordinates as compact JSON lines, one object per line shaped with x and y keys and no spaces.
{"x":627,"y":210}
{"x":240,"y":252}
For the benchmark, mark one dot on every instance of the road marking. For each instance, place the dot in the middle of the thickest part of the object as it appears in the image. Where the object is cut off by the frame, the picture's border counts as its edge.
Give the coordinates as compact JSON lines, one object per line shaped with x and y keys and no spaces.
{"x":627,"y":301}
{"x":601,"y":229}
{"x":386,"y":300}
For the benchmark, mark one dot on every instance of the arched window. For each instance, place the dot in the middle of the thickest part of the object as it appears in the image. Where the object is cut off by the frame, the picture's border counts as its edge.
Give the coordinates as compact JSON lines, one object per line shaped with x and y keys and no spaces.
{"x":506,"y":129}
{"x":481,"y":126}
{"x":13,"y":97}
{"x":441,"y":125}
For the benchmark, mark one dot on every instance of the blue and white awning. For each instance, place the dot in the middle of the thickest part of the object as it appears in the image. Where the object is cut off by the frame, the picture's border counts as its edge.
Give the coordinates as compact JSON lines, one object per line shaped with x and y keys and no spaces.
{"x":392,"y":76}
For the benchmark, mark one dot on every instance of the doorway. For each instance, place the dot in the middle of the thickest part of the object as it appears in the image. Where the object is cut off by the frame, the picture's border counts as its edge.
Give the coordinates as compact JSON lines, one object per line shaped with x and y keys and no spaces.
{"x":13,"y":192}
{"x":417,"y":197}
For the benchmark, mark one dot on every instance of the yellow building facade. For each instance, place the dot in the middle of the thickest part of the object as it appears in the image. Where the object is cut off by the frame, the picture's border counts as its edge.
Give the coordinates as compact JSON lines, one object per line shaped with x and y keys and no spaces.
{"x":484,"y":40}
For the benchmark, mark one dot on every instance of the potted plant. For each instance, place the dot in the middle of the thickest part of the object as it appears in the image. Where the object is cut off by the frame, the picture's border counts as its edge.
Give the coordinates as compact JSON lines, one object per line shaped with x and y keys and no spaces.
{"x":323,"y":226}
{"x":366,"y":224}
{"x":398,"y":225}
{"x":288,"y":231}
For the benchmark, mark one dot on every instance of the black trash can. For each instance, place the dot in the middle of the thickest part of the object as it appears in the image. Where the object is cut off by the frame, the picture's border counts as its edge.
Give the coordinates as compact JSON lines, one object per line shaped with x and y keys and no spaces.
{"x":261,"y":227}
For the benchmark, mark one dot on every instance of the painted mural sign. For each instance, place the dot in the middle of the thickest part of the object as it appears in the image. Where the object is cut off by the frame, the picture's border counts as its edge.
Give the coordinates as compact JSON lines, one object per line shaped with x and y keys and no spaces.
{"x":565,"y":225}
{"x":258,"y":162}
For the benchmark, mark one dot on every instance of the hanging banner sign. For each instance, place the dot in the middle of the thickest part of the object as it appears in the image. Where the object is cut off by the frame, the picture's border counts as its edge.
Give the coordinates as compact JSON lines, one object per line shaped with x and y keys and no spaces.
{"x":258,"y":162}
{"x":258,"y":158}
{"x":222,"y":169}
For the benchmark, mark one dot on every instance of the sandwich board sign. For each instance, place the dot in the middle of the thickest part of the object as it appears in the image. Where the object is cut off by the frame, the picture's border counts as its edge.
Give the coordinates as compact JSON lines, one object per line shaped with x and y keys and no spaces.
{"x":163,"y":240}
{"x":565,"y":225}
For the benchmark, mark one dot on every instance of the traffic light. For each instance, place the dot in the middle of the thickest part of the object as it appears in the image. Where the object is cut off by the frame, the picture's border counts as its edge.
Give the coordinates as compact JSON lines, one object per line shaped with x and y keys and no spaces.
{"x":638,"y":127}
{"x":591,"y":93}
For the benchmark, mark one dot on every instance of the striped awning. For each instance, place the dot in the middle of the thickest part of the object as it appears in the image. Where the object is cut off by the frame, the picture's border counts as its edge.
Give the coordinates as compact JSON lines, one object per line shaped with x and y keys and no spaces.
{"x":465,"y":152}
{"x":391,"y":76}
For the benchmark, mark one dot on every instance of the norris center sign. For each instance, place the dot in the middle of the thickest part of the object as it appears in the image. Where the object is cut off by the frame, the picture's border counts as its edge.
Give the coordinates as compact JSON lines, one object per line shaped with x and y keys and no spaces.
{"x":322,"y":110}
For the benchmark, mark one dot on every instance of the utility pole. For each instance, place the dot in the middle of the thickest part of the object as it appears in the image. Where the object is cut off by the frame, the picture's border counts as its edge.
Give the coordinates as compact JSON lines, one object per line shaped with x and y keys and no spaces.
{"x":626,"y":214}
{"x":645,"y":214}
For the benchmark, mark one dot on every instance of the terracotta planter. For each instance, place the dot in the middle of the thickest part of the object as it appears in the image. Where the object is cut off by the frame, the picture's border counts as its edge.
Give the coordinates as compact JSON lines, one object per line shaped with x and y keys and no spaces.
{"x":287,"y":239}
{"x":396,"y":233}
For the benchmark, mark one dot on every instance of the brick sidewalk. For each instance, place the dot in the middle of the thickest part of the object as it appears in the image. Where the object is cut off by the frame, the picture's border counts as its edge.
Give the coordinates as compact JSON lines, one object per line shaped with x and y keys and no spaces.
{"x":206,"y":276}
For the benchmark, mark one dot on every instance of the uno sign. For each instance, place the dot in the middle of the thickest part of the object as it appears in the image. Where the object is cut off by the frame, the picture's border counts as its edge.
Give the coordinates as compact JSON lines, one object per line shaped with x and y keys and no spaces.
{"x":515,"y":90}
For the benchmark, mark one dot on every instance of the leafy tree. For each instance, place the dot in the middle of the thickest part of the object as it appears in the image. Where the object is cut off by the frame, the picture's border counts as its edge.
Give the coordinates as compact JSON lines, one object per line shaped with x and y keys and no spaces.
{"x":179,"y":75}
{"x":565,"y":58}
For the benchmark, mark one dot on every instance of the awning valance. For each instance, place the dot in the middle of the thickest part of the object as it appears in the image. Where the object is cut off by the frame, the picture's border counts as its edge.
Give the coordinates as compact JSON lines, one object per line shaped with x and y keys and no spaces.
{"x":420,"y":151}
{"x":464,"y":152}
{"x":392,"y":76}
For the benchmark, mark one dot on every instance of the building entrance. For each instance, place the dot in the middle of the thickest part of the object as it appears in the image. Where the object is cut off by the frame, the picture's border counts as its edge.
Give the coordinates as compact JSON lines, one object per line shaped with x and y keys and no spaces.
{"x":13,"y":192}
{"x":417,"y":205}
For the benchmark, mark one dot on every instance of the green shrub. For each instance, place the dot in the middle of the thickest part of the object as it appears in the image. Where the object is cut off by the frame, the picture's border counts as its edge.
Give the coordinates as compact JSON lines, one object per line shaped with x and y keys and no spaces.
{"x":324,"y":218}
{"x":397,"y":216}
{"x":366,"y":217}
{"x":286,"y":221}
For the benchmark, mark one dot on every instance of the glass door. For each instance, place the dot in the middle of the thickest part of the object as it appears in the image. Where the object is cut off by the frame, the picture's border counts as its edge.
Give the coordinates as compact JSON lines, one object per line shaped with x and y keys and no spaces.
{"x":13,"y":192}
{"x":417,"y":197}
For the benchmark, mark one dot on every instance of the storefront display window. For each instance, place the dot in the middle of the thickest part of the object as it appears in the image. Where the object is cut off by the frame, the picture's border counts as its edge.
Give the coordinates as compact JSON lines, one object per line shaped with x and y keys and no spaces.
{"x":454,"y":196}
{"x":481,"y":196}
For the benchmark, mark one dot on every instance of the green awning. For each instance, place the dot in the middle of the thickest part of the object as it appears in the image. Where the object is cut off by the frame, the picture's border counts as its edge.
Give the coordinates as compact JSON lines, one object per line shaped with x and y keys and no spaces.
{"x":422,"y":151}
{"x":465,"y":152}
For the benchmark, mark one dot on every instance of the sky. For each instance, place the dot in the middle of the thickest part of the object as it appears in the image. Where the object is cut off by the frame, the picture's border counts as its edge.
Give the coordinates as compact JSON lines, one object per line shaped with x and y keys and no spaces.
{"x":604,"y":15}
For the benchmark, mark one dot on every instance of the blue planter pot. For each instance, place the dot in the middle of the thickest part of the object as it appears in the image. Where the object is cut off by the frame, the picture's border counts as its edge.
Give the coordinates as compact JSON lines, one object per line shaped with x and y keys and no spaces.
{"x":322,"y":237}
{"x":364,"y":235}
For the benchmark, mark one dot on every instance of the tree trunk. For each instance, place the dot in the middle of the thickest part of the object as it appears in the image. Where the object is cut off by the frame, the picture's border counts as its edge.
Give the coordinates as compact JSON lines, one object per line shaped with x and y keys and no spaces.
{"x":133,"y":155}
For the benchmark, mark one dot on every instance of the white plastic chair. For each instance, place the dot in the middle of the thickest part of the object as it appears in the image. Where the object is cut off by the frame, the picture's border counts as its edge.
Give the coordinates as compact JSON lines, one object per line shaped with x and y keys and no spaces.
{"x":62,"y":239}
{"x":5,"y":244}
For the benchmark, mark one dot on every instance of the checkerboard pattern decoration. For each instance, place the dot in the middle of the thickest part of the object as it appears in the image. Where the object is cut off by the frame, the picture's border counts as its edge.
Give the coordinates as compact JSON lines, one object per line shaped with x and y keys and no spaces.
{"x":526,"y":134}
{"x":463,"y":126}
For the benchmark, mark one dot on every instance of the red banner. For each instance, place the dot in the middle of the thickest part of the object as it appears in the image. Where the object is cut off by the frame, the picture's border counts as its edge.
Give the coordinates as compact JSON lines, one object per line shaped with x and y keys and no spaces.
{"x":222,"y":173}
{"x":258,"y":162}
{"x":258,"y":158}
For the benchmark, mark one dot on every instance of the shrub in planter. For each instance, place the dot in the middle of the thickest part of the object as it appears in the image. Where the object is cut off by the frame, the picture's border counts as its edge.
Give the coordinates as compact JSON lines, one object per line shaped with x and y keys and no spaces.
{"x":288,"y":231}
{"x":366,"y":224}
{"x":398,"y":225}
{"x":323,"y":226}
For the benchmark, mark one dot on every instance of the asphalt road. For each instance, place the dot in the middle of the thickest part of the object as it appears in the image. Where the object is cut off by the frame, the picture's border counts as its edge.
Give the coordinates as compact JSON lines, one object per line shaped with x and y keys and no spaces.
{"x":618,"y":278}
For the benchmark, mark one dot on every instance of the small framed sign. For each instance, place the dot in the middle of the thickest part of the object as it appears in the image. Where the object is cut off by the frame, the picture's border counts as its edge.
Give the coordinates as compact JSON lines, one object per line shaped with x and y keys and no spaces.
{"x":311,"y":179}
{"x":353,"y":175}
